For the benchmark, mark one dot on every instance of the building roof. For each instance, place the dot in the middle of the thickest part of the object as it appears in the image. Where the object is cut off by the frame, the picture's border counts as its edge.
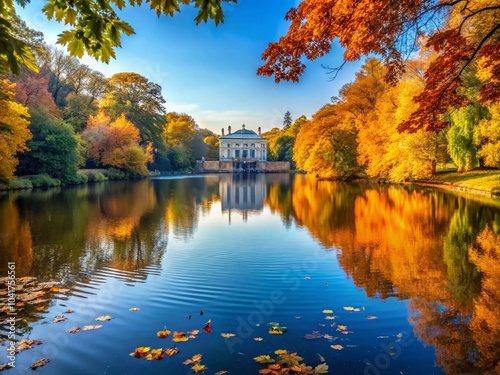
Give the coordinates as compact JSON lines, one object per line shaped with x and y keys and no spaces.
{"x":242,"y":134}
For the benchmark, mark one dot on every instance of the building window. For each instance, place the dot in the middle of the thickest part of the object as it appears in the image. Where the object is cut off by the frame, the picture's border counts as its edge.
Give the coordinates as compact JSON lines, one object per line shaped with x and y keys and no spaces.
{"x":253,"y":144}
{"x":237,"y":153}
{"x":228,"y":153}
{"x":252,"y":153}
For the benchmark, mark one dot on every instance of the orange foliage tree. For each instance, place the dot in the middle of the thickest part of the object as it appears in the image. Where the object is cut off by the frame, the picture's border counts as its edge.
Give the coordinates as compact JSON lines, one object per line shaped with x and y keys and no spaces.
{"x":461,"y":31}
{"x":116,"y":144}
{"x":14,"y":131}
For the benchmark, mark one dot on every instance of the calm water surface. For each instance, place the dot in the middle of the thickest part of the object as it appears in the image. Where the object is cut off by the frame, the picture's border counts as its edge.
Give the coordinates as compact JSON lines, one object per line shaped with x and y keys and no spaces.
{"x":412,"y":275}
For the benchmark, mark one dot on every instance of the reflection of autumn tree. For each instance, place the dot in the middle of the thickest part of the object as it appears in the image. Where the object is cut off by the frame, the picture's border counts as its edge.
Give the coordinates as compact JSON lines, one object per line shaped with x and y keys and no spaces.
{"x":485,"y":323}
{"x":15,"y":240}
{"x":279,"y":198}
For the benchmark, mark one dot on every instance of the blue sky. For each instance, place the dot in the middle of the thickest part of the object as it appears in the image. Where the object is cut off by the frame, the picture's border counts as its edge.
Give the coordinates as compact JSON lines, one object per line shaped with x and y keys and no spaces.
{"x":209,"y":72}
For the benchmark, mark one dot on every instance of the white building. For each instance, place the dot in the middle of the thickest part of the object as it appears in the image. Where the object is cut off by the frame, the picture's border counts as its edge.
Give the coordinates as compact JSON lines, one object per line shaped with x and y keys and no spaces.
{"x":242,"y":145}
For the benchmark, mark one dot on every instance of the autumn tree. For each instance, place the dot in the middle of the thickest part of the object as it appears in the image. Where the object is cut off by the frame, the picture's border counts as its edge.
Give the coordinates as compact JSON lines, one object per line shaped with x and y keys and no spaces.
{"x":487,"y":137}
{"x":116,"y":144}
{"x":14,"y":131}
{"x":140,"y":100}
{"x":212,"y":142}
{"x":462,"y":32}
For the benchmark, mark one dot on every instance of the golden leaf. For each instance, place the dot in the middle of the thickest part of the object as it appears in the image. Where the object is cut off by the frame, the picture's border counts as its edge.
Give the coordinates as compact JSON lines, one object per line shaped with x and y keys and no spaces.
{"x":103,"y":318}
{"x":134,"y":309}
{"x":198,"y":367}
{"x":264,"y":359}
{"x":149,"y":357}
{"x":221,"y":372}
{"x":194,"y":332}
{"x":258,"y":338}
{"x":265,"y":371}
{"x":74,"y":330}
{"x":40,"y":363}
{"x":337,"y":347}
{"x":296,"y":368}
{"x":60,"y":318}
{"x":227,"y":335}
{"x":327,"y":311}
{"x":274,"y":366}
{"x":341,"y":328}
{"x":196,"y":357}
{"x":329,"y":317}
{"x":171,"y":351}
{"x":280,"y":352}
{"x":163,"y":334}
{"x":370,"y":317}
{"x":90,"y":328}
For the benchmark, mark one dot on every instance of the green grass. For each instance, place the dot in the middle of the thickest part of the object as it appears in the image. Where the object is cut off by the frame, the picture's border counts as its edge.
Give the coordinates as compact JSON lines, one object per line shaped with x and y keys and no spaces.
{"x":484,"y":180}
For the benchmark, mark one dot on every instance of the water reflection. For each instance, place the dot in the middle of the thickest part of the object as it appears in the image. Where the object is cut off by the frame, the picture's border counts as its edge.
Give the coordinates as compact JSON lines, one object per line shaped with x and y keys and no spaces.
{"x":439,"y":250}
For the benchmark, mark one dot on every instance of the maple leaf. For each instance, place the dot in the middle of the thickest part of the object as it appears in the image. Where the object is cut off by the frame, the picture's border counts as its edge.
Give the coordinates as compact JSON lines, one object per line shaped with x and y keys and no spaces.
{"x":198,"y":367}
{"x":103,"y":318}
{"x":264,"y":359}
{"x":163,"y":334}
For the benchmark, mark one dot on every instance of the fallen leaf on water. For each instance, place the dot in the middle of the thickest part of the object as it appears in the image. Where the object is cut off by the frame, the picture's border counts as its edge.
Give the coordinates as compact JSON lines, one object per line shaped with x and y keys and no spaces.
{"x":274,"y":366}
{"x":26,"y":344}
{"x":5,"y":366}
{"x":59,"y":318}
{"x":172,"y":351}
{"x":341,"y":328}
{"x":329,"y":337}
{"x":258,"y":338}
{"x":103,"y":318}
{"x":337,"y":347}
{"x":134,"y":309}
{"x":90,"y":328}
{"x":208,"y":327}
{"x":179,"y":337}
{"x":329,"y":317}
{"x":321,"y":369}
{"x":296,"y":368}
{"x":222,"y":372}
{"x":74,"y":330}
{"x":40,"y":308}
{"x":321,"y":358}
{"x":370,"y":317}
{"x":399,"y":335}
{"x":350,"y":308}
{"x":264,"y":359}
{"x":194,"y":332}
{"x":327,"y":311}
{"x":227,"y":335}
{"x":313,"y":335}
{"x":40,"y":363}
{"x":265,"y":371}
{"x":198,"y":367}
{"x":69,"y":311}
{"x":163,"y":334}
{"x":140,"y":351}
{"x":157,"y":353}
{"x":280,"y":352}
{"x":196,"y":357}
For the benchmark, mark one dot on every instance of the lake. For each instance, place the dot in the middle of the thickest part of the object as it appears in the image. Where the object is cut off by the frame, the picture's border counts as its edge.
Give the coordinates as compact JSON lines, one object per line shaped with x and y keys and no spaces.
{"x":344,"y":278}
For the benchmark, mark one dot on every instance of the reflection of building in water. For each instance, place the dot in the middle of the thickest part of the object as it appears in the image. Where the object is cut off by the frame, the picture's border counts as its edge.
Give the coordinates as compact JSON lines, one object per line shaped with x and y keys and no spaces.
{"x":242,"y":193}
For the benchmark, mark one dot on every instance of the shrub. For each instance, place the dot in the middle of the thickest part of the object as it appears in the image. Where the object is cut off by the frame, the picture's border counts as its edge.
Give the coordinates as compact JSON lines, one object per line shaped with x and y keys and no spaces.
{"x":78,"y":178}
{"x":17,"y":183}
{"x":115,"y":174}
{"x":44,"y":180}
{"x":96,"y":176}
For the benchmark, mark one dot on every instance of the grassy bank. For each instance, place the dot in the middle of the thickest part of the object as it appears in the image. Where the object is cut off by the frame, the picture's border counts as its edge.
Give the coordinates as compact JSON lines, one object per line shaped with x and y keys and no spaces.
{"x":487,"y":181}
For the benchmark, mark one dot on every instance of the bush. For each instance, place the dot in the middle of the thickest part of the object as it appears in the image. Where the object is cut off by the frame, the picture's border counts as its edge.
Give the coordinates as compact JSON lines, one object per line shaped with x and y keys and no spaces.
{"x":115,"y":174}
{"x":79,"y":178}
{"x":96,"y":176}
{"x":17,"y":183}
{"x":43,"y":180}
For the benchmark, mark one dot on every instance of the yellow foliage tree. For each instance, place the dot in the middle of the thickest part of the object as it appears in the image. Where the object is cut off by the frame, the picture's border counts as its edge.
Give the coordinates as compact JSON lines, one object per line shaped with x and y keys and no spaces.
{"x":487,"y":136}
{"x":14,"y":131}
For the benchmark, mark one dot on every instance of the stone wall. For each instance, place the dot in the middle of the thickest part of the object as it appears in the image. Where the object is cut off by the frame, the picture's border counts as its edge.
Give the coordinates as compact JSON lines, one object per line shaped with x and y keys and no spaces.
{"x":227,"y":166}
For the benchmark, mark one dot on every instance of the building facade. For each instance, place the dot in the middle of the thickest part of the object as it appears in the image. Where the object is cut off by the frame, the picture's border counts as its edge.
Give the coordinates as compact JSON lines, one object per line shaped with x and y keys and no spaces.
{"x":242,"y":145}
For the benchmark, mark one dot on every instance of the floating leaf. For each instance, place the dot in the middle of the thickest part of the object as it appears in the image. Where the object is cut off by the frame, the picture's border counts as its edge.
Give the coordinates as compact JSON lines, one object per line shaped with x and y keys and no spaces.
{"x":258,"y":338}
{"x":274,"y":366}
{"x":90,"y":328}
{"x":321,"y":369}
{"x":265,"y":371}
{"x":280,"y":352}
{"x":341,"y":328}
{"x":296,"y":368}
{"x":227,"y":335}
{"x":59,"y":318}
{"x":370,"y":317}
{"x":196,"y":357}
{"x":222,"y":372}
{"x":327,"y":311}
{"x":321,"y":358}
{"x":179,"y":337}
{"x":313,"y":335}
{"x":40,"y":363}
{"x":163,"y":334}
{"x":74,"y":330}
{"x":69,"y":311}
{"x":172,"y":351}
{"x":134,"y":309}
{"x":329,"y":317}
{"x":337,"y":347}
{"x":103,"y":318}
{"x":141,"y":351}
{"x":198,"y":367}
{"x":350,"y":308}
{"x":329,"y":337}
{"x":264,"y":359}
{"x":40,"y":308}
{"x":194,"y":332}
{"x":208,"y":327}
{"x":276,"y":328}
{"x":26,"y":344}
